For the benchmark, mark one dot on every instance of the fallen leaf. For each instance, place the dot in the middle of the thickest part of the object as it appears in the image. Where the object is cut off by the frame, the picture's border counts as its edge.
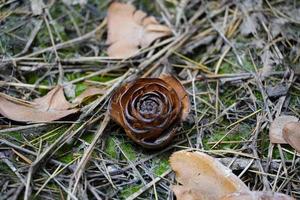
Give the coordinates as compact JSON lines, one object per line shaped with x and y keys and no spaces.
{"x":130,"y":29}
{"x":257,"y":195}
{"x":291,"y":134}
{"x":50,"y":107}
{"x":276,"y":128}
{"x":88,"y":93}
{"x":203,"y":177}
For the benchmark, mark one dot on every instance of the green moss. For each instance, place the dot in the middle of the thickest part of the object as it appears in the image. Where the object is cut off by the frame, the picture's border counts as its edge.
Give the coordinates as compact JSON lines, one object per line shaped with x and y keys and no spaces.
{"x":289,"y":156}
{"x":243,"y":132}
{"x":128,"y":150}
{"x":88,"y":137}
{"x":73,"y":76}
{"x":80,"y":87}
{"x":111,"y":147}
{"x":102,"y":78}
{"x":126,"y":147}
{"x":226,"y":68}
{"x":129,"y":190}
{"x":32,"y":78}
{"x":13,"y":134}
{"x":66,"y":158}
{"x":161,"y":166}
{"x":264,"y":143}
{"x":276,"y":154}
{"x":248,"y":65}
{"x":258,"y":95}
{"x":64,"y":154}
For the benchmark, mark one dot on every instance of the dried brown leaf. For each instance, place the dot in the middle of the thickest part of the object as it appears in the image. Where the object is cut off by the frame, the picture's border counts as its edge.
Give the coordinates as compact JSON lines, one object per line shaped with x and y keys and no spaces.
{"x":129,"y":29}
{"x":291,"y":134}
{"x":52,"y":106}
{"x":257,"y":195}
{"x":203,"y":177}
{"x":276,"y":128}
{"x":53,"y":100}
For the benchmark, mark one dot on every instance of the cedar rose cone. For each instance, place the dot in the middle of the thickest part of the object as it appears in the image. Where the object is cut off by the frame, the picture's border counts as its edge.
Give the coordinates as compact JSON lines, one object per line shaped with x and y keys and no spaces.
{"x":150,"y":109}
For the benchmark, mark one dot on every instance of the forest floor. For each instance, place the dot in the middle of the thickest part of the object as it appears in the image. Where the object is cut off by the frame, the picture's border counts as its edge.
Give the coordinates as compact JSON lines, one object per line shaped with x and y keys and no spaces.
{"x":238,"y":60}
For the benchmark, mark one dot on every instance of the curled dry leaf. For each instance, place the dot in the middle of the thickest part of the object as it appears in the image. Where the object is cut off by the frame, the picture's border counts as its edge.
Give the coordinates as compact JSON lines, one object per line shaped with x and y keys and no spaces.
{"x":203,"y":177}
{"x":257,"y":195}
{"x":129,"y":29}
{"x":150,"y":109}
{"x":291,"y":134}
{"x":276,"y":128}
{"x":52,"y":106}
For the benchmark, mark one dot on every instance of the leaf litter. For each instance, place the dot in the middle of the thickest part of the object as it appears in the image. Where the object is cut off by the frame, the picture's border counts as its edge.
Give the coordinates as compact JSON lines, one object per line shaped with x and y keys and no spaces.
{"x":291,"y":134}
{"x":50,"y":107}
{"x":130,"y":29}
{"x":202,"y":177}
{"x":277,"y":126}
